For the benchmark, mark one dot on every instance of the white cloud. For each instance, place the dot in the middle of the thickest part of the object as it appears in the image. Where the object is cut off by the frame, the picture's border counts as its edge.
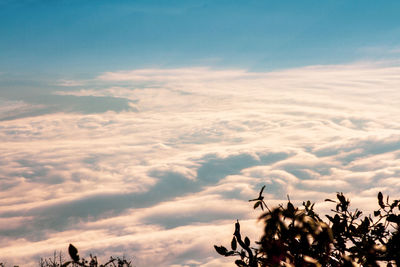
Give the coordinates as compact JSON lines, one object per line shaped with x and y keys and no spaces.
{"x":70,"y":83}
{"x":175,"y":174}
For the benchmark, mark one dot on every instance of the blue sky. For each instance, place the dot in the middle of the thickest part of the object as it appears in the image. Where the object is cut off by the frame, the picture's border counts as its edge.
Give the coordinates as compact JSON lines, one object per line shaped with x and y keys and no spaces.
{"x":84,"y":37}
{"x":128,"y":121}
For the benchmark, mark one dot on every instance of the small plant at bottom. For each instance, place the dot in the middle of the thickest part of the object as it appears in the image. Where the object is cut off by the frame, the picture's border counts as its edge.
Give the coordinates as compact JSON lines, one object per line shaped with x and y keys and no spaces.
{"x":76,"y":260}
{"x":93,"y":262}
{"x":58,"y":260}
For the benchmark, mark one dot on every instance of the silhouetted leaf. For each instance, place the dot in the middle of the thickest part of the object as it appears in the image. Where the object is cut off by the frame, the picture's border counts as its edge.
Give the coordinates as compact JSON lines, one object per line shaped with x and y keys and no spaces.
{"x":73,"y":253}
{"x":257,"y":204}
{"x":393,"y":218}
{"x":221,"y":250}
{"x":358,"y":213}
{"x":290,"y":207}
{"x":394,"y":204}
{"x":247,"y":241}
{"x":234,"y":243}
{"x":341,"y":198}
{"x":230,"y":253}
{"x":380,"y":200}
{"x":366,"y":222}
{"x":336,"y":219}
{"x":343,"y":202}
{"x":261,"y":191}
{"x":237,"y":227}
{"x":240,"y":263}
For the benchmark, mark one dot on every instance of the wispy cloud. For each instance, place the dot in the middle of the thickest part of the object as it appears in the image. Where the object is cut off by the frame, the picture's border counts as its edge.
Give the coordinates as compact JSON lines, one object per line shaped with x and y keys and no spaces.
{"x":168,"y":166}
{"x":70,"y":83}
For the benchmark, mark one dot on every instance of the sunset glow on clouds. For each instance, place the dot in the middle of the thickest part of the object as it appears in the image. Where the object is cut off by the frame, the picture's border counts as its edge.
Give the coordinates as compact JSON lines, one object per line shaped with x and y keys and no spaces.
{"x":162,"y":161}
{"x":142,"y":128}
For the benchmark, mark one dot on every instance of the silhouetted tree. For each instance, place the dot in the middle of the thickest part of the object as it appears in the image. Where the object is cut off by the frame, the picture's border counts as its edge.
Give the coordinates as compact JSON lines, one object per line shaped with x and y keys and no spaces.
{"x":296,"y":236}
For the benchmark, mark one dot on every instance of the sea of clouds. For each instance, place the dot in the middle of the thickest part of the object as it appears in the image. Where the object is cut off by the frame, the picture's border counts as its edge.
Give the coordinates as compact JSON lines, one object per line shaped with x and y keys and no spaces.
{"x":157,"y":164}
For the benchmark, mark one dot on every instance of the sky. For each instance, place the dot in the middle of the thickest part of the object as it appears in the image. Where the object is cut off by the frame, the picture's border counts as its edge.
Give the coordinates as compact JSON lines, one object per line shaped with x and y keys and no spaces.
{"x":141,"y":128}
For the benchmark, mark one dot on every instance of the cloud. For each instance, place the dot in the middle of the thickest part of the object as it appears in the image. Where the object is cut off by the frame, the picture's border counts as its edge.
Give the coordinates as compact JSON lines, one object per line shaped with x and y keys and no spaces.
{"x":164,"y":160}
{"x":69,"y":83}
{"x":37,"y":105}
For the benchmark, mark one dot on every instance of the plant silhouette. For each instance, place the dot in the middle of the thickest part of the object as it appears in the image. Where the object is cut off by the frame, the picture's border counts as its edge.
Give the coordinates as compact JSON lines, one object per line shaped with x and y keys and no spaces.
{"x":58,"y":261}
{"x":77,"y":261}
{"x":296,"y":236}
{"x":73,"y":253}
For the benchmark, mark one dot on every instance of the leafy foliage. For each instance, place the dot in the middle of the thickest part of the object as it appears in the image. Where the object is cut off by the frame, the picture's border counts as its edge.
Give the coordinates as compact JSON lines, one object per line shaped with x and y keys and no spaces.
{"x":296,"y":236}
{"x":58,"y":260}
{"x":77,"y":261}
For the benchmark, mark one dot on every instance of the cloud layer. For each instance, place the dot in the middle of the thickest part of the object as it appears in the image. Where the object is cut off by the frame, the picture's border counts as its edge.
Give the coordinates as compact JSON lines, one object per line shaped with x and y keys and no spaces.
{"x":162,"y":161}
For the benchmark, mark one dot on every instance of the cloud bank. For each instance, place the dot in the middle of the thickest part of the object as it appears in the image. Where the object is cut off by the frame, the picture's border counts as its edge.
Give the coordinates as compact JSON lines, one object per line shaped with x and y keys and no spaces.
{"x":162,"y":161}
